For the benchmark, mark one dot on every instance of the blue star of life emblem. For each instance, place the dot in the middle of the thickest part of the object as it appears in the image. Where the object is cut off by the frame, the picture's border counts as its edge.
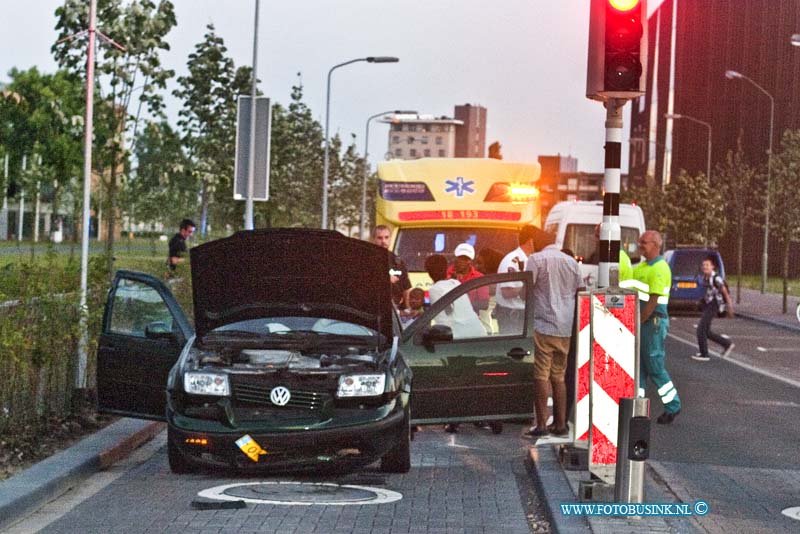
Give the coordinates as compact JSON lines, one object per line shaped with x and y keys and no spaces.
{"x":459,"y":186}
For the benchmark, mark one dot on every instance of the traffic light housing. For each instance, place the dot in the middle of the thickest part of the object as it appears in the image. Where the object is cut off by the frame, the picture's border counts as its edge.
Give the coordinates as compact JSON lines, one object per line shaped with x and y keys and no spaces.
{"x":617,"y":49}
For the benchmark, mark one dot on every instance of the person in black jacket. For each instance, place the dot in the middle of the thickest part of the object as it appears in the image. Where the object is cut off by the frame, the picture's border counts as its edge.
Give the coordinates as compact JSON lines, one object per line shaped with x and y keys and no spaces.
{"x":177,"y":245}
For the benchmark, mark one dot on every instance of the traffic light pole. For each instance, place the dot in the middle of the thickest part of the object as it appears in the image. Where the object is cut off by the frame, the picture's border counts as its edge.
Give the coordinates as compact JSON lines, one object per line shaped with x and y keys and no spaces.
{"x":610,"y":232}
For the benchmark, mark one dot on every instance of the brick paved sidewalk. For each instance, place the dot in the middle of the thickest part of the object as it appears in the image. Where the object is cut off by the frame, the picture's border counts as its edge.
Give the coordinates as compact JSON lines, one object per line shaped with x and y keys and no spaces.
{"x":767,"y":307}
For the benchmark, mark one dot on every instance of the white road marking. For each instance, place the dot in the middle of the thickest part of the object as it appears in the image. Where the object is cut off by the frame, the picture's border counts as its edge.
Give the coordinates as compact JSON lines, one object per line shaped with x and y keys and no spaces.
{"x":777,"y":349}
{"x":452,"y":443}
{"x":793,"y":512}
{"x":761,"y":349}
{"x":743,"y":365}
{"x":382,"y":496}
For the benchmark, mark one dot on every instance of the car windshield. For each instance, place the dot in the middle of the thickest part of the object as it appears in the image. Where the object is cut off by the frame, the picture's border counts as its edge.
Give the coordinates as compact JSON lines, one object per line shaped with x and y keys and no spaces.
{"x":580,"y":239}
{"x":414,"y":245}
{"x":688,"y":262}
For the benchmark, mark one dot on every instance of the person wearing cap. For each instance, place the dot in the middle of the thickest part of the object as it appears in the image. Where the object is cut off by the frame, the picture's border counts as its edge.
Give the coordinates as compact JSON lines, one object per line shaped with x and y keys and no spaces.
{"x":463,"y":270}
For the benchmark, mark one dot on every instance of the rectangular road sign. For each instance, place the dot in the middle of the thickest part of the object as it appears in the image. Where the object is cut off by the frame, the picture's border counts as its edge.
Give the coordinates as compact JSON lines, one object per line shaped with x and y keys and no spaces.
{"x":262,"y":144}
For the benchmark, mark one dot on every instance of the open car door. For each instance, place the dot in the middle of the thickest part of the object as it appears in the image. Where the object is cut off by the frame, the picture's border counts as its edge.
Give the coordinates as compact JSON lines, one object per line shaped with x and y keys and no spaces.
{"x":144,"y":331}
{"x":464,"y":368}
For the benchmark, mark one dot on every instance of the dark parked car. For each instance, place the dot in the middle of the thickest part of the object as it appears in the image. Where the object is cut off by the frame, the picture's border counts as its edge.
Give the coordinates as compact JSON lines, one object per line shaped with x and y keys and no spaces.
{"x":296,"y":359}
{"x":687,"y":276}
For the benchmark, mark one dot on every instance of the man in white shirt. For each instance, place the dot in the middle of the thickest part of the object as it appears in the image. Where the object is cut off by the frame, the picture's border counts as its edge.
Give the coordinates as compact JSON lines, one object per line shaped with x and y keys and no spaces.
{"x":510,"y":307}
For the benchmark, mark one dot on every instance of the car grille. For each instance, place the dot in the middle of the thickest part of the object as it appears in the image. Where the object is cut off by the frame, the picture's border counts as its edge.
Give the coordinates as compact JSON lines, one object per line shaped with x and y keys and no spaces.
{"x":259,"y":394}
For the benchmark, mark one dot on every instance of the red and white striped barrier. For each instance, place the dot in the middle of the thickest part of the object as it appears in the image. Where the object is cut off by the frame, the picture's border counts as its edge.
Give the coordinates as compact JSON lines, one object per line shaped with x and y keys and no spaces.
{"x":613,"y":372}
{"x":582,"y":379}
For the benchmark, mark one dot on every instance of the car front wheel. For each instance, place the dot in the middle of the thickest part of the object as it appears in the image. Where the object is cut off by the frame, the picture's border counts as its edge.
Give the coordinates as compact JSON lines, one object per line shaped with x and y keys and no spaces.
{"x":178,"y":463}
{"x":398,"y":460}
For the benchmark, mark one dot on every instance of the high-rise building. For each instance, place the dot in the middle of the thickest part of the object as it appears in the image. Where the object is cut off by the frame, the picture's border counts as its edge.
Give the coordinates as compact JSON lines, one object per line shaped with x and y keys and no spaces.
{"x":426,"y":136}
{"x":471,"y":135}
{"x":691,"y":46}
{"x":560,"y":180}
{"x":421,"y":136}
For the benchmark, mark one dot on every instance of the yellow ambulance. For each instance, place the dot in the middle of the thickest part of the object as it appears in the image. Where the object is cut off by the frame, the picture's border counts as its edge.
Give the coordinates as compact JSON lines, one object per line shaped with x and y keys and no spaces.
{"x":433,"y":204}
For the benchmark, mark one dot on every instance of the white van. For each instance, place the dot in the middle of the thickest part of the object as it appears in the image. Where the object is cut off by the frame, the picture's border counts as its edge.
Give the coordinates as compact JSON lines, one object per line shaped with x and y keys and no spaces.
{"x":573,"y":225}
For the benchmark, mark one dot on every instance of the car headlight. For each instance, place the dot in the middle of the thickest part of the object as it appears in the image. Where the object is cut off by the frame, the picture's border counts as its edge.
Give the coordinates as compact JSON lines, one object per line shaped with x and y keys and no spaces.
{"x":361,"y":386}
{"x":206,"y":384}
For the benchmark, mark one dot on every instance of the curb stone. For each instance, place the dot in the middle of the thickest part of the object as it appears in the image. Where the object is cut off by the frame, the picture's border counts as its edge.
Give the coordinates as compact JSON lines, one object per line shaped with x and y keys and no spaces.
{"x":46,"y":480}
{"x":551,"y":482}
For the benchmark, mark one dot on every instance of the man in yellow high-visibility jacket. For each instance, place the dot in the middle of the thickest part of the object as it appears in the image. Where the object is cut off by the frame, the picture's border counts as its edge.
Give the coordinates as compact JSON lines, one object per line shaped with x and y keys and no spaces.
{"x":653,"y":280}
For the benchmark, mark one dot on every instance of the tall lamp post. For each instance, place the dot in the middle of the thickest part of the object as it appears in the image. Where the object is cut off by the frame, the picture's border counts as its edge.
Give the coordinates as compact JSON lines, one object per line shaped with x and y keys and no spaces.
{"x":732,"y":74}
{"x":370,"y":59}
{"x":704,"y":123}
{"x":363,"y":219}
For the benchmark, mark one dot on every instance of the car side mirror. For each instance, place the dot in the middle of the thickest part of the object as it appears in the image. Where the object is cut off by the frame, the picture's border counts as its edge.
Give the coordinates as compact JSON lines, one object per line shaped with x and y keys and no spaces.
{"x":158,"y":330}
{"x":438,"y":333}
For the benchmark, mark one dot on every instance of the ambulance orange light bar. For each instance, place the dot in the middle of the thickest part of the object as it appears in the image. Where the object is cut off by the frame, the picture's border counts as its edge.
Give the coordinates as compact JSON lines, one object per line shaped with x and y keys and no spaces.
{"x":623,"y":5}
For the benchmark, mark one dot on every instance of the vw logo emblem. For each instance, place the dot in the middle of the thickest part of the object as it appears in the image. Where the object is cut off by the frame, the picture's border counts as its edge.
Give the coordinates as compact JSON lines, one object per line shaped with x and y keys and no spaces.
{"x":280,"y":396}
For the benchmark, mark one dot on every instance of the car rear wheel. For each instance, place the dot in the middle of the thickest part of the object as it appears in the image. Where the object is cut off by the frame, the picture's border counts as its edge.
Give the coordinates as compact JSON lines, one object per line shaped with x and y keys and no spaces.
{"x":178,"y":463}
{"x":398,"y":460}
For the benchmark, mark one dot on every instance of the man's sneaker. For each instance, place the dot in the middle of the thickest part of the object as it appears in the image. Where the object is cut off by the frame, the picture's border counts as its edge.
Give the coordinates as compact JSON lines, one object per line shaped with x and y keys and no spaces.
{"x":536,"y":432}
{"x":727,"y":351}
{"x":700,"y":358}
{"x":558,"y":432}
{"x":667,"y":418}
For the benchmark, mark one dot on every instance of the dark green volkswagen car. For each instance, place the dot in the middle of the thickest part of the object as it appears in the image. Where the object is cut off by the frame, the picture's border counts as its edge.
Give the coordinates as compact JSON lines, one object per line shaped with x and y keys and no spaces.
{"x":296,"y":358}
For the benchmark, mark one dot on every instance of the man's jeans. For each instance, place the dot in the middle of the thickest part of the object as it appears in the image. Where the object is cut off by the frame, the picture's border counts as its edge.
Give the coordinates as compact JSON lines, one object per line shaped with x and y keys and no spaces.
{"x":704,"y":332}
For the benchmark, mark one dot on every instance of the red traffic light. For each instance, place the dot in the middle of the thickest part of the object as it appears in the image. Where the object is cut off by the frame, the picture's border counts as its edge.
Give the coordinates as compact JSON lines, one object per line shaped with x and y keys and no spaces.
{"x":623,"y":5}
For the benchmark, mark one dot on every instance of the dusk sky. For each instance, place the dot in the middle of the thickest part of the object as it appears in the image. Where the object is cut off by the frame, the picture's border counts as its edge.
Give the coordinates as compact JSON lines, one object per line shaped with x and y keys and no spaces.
{"x":524,"y":60}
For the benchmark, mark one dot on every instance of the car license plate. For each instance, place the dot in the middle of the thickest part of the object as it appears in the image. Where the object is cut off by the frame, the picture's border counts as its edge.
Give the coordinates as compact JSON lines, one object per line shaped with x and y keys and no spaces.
{"x":687,"y":285}
{"x":249,"y":446}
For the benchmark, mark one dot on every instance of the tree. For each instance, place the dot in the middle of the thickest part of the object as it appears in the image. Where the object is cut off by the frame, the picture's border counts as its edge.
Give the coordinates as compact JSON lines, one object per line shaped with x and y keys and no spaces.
{"x":140,"y":28}
{"x":494,"y":150}
{"x":41,"y":120}
{"x":694,"y":212}
{"x":208,"y":121}
{"x":739,"y":183}
{"x":162,"y":188}
{"x":785,"y":200}
{"x":296,"y":166}
{"x":345,"y":192}
{"x":651,"y":199}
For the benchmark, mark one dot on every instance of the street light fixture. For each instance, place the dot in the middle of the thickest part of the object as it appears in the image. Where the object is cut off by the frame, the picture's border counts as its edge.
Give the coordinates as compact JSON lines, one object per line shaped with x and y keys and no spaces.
{"x":731,"y":74}
{"x":369,"y":59}
{"x":704,"y":123}
{"x":363,"y":219}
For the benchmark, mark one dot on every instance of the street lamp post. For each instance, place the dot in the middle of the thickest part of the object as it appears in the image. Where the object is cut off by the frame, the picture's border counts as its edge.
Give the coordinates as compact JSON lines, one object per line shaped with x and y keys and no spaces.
{"x":370,"y":59}
{"x":732,"y":74}
{"x":363,"y":219}
{"x":704,"y":123}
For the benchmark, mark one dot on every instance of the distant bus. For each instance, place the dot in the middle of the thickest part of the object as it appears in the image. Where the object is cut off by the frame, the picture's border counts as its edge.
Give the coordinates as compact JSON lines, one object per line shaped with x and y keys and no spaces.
{"x":433,"y":204}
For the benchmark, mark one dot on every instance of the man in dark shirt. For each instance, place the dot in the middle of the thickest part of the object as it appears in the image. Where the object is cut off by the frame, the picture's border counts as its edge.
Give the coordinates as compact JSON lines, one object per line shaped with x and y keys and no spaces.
{"x":401,"y":285}
{"x":177,"y":245}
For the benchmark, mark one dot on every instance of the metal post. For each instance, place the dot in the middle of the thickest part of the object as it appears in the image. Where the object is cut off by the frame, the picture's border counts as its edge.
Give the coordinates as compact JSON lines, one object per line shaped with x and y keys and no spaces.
{"x":83,"y":346}
{"x":21,"y":202}
{"x":629,"y":477}
{"x":251,"y":160}
{"x":765,"y":259}
{"x":610,"y":233}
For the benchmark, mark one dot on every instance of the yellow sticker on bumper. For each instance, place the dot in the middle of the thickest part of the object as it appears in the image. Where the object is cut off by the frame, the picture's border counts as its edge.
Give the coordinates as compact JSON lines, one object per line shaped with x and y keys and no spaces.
{"x":249,"y":446}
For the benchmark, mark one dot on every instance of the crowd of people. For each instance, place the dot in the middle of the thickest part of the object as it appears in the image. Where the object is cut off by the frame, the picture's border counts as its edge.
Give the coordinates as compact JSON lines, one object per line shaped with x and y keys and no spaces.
{"x":556,"y":282}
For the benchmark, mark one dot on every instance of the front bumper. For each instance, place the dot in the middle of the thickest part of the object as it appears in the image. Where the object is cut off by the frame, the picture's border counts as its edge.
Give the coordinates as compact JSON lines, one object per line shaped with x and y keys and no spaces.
{"x":311,"y":449}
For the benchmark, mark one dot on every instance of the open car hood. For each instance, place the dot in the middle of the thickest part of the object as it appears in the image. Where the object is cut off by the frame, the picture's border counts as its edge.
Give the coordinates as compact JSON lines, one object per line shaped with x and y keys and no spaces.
{"x":291,"y":272}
